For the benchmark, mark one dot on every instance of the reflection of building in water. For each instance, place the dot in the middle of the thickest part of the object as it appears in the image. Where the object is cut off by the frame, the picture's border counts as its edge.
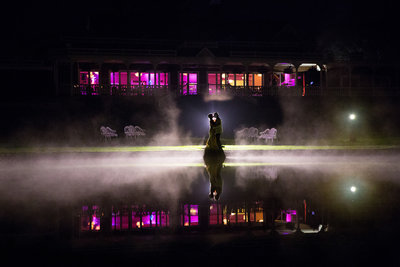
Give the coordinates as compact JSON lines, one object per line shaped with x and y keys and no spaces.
{"x":221,"y":214}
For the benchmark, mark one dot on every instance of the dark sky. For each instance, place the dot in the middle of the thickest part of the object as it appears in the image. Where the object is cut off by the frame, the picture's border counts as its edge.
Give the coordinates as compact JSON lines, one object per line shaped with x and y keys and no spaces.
{"x":203,"y":20}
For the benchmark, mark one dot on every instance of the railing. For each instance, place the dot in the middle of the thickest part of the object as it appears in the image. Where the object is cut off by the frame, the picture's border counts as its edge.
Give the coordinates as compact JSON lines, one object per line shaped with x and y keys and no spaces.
{"x":256,"y":91}
{"x":119,"y":90}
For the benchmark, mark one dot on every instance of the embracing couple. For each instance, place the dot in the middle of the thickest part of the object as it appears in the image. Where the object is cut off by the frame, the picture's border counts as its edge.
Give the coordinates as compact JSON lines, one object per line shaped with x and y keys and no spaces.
{"x":214,"y":139}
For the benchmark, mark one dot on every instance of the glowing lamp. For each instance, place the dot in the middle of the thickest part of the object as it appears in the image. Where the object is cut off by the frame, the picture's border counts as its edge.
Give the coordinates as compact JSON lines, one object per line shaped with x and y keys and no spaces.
{"x":352,"y":116}
{"x":353,"y":189}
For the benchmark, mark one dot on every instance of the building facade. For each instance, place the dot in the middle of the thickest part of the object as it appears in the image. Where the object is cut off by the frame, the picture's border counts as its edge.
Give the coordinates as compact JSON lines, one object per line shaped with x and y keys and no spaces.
{"x":85,"y":67}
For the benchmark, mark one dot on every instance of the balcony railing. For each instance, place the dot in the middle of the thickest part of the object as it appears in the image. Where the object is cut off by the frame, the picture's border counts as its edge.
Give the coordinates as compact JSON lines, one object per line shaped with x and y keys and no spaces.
{"x":256,"y":91}
{"x":119,"y":90}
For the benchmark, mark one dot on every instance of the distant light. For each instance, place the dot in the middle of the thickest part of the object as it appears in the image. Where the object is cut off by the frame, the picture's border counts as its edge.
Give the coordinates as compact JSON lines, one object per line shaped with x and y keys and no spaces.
{"x":353,"y":189}
{"x":311,"y":83}
{"x":352,"y":116}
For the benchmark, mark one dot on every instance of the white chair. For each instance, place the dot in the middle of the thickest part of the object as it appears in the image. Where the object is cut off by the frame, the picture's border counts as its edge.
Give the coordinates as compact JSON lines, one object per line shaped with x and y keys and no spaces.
{"x":108,"y":133}
{"x":133,"y":131}
{"x":268,"y":134}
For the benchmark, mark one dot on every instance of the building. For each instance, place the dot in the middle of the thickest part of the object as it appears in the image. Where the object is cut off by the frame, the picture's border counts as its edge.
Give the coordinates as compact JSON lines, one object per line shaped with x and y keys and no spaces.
{"x":132,"y":67}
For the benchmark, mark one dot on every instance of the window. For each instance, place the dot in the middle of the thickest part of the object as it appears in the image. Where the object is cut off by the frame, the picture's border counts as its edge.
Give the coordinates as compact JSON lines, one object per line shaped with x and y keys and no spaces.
{"x":120,"y":219}
{"x":190,"y":215}
{"x":220,"y":82}
{"x":288,"y":79}
{"x":138,"y":83}
{"x":188,"y":83}
{"x":89,"y":82}
{"x":217,"y":215}
{"x":142,"y":218}
{"x":238,"y":215}
{"x":255,"y":80}
{"x":216,"y":83}
{"x":90,"y":218}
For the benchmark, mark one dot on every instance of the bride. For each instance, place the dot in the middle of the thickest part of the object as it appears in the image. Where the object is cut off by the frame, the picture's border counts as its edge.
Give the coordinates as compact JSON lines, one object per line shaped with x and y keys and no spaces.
{"x":212,"y":138}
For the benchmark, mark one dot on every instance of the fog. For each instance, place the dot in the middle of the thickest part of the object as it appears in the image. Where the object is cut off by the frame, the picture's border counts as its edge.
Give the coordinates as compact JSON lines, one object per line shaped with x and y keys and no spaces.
{"x":168,"y":175}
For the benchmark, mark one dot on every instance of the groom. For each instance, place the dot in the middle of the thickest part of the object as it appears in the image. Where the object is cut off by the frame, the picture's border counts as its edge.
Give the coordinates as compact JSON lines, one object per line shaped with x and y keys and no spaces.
{"x":218,"y":128}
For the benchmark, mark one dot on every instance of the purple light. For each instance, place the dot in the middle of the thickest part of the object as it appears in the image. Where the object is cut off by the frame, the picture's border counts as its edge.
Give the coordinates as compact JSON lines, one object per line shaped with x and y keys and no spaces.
{"x":190,"y":216}
{"x":288,"y":80}
{"x":290,"y":214}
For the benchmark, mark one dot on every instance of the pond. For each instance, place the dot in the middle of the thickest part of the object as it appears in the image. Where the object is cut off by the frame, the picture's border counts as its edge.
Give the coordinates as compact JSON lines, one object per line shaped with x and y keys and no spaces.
{"x":87,"y":198}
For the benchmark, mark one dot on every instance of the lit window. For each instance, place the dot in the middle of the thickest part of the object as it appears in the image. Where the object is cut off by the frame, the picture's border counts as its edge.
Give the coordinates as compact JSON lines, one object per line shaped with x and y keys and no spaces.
{"x":188,"y":83}
{"x":90,"y":218}
{"x":190,"y":216}
{"x":89,"y":82}
{"x":217,"y":215}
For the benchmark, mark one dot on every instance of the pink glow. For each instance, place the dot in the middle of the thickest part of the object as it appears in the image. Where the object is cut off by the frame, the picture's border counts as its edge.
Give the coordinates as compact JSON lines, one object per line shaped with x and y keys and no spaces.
{"x":89,"y":82}
{"x":289,"y":80}
{"x":188,"y":83}
{"x":290,"y":214}
{"x":90,"y":219}
{"x":190,"y":215}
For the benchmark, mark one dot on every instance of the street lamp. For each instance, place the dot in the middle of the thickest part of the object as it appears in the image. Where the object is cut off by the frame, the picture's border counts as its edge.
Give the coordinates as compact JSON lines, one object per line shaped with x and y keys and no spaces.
{"x":352,"y":116}
{"x":353,"y":189}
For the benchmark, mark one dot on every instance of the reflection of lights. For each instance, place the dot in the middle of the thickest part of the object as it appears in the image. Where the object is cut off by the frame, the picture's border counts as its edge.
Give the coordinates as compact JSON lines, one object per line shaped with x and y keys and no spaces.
{"x":353,"y":189}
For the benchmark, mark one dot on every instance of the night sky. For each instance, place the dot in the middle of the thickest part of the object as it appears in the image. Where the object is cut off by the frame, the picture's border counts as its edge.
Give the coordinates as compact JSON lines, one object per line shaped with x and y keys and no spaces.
{"x":364,"y":26}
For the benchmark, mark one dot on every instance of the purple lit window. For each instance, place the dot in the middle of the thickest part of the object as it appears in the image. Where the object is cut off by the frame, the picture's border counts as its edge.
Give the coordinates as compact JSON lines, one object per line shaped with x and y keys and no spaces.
{"x":149,"y":219}
{"x":90,"y":218}
{"x":120,"y":219}
{"x":144,"y":79}
{"x":216,"y":83}
{"x":190,"y":216}
{"x":188,"y":83}
{"x":89,"y":82}
{"x":135,"y":81}
{"x":114,"y":78}
{"x":289,"y":79}
{"x":291,"y":215}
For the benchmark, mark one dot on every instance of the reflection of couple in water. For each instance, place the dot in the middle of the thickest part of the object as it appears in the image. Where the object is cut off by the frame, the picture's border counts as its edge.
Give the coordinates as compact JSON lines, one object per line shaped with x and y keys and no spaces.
{"x":214,"y":156}
{"x":214,"y":139}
